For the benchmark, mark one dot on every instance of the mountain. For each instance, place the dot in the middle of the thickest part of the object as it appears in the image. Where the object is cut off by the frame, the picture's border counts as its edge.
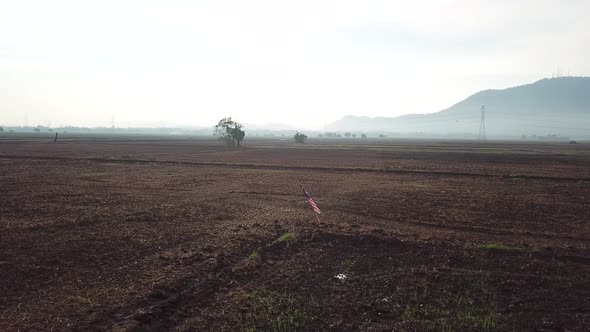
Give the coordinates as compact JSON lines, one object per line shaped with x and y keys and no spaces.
{"x":550,"y":106}
{"x":269,"y":126}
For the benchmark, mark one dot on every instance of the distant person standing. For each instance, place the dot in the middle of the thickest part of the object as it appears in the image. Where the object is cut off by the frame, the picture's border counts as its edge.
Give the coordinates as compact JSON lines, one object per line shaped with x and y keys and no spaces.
{"x":55,"y":139}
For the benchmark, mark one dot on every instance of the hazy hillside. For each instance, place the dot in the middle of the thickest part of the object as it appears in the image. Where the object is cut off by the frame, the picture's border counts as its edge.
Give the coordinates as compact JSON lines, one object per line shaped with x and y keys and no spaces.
{"x":549,"y":106}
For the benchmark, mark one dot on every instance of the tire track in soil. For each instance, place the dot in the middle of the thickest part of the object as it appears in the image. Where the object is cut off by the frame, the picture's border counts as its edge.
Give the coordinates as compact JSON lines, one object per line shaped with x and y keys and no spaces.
{"x":482,"y":230}
{"x":573,"y":257}
{"x":163,"y":307}
{"x":300,"y":168}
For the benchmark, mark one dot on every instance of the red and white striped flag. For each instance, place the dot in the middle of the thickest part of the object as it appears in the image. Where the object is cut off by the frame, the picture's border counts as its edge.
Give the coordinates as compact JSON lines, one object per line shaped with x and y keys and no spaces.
{"x":314,"y":206}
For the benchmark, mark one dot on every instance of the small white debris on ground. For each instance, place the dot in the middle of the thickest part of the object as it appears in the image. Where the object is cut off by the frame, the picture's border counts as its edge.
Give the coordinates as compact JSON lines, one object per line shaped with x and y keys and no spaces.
{"x":340,"y":276}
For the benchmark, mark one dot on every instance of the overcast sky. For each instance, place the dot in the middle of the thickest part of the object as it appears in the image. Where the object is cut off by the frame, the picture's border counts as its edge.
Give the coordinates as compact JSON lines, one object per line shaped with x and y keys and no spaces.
{"x":303,"y":63}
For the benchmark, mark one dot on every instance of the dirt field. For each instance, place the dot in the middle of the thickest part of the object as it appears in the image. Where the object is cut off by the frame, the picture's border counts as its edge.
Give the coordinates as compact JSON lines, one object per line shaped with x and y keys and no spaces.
{"x":107,"y":233}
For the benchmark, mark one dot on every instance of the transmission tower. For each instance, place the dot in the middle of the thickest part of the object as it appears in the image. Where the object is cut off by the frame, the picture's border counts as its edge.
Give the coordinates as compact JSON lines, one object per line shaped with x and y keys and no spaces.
{"x":482,"y":123}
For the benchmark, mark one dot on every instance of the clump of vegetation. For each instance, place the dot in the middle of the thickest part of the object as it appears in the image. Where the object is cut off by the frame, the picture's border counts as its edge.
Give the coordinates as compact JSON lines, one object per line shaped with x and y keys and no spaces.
{"x":229,"y":131}
{"x":1,"y":130}
{"x":299,"y":137}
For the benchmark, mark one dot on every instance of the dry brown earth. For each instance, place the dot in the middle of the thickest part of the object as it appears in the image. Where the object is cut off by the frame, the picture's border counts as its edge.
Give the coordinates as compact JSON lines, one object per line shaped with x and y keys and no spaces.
{"x":108,"y":233}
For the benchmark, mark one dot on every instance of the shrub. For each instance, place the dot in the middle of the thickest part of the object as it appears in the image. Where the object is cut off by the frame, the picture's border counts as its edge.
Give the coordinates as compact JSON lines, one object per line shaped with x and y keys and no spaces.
{"x":299,"y":137}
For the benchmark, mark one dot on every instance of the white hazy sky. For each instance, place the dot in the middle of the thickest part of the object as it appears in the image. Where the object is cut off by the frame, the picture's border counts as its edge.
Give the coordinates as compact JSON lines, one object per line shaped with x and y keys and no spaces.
{"x":304,"y":63}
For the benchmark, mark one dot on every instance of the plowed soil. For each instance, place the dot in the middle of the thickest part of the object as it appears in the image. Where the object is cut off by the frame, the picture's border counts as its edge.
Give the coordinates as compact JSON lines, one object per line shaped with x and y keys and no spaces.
{"x":150,"y":234}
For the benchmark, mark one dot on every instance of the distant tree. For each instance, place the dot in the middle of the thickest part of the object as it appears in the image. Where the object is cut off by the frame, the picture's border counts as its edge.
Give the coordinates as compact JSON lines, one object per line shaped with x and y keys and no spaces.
{"x":37,"y":130}
{"x":333,"y":134}
{"x":299,"y":137}
{"x":237,"y":133}
{"x":1,"y":130}
{"x":382,"y":135}
{"x":347,"y":134}
{"x":363,"y":135}
{"x":229,"y":132}
{"x":320,"y":135}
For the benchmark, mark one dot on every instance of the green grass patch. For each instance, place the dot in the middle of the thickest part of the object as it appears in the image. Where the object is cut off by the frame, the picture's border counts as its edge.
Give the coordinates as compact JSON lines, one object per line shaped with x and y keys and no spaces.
{"x":428,"y":305}
{"x":254,"y":257}
{"x":419,"y":185}
{"x":81,"y":301}
{"x":287,"y":237}
{"x":468,"y":319}
{"x":272,"y":311}
{"x":497,"y":246}
{"x":458,"y":313}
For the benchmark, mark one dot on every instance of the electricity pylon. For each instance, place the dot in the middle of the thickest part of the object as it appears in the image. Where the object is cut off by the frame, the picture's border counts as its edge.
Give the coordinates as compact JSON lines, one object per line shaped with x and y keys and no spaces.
{"x":482,"y":123}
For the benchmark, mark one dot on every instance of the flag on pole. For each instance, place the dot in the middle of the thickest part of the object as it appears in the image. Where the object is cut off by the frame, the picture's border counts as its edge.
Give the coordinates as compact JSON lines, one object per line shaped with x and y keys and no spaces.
{"x":314,"y":206}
